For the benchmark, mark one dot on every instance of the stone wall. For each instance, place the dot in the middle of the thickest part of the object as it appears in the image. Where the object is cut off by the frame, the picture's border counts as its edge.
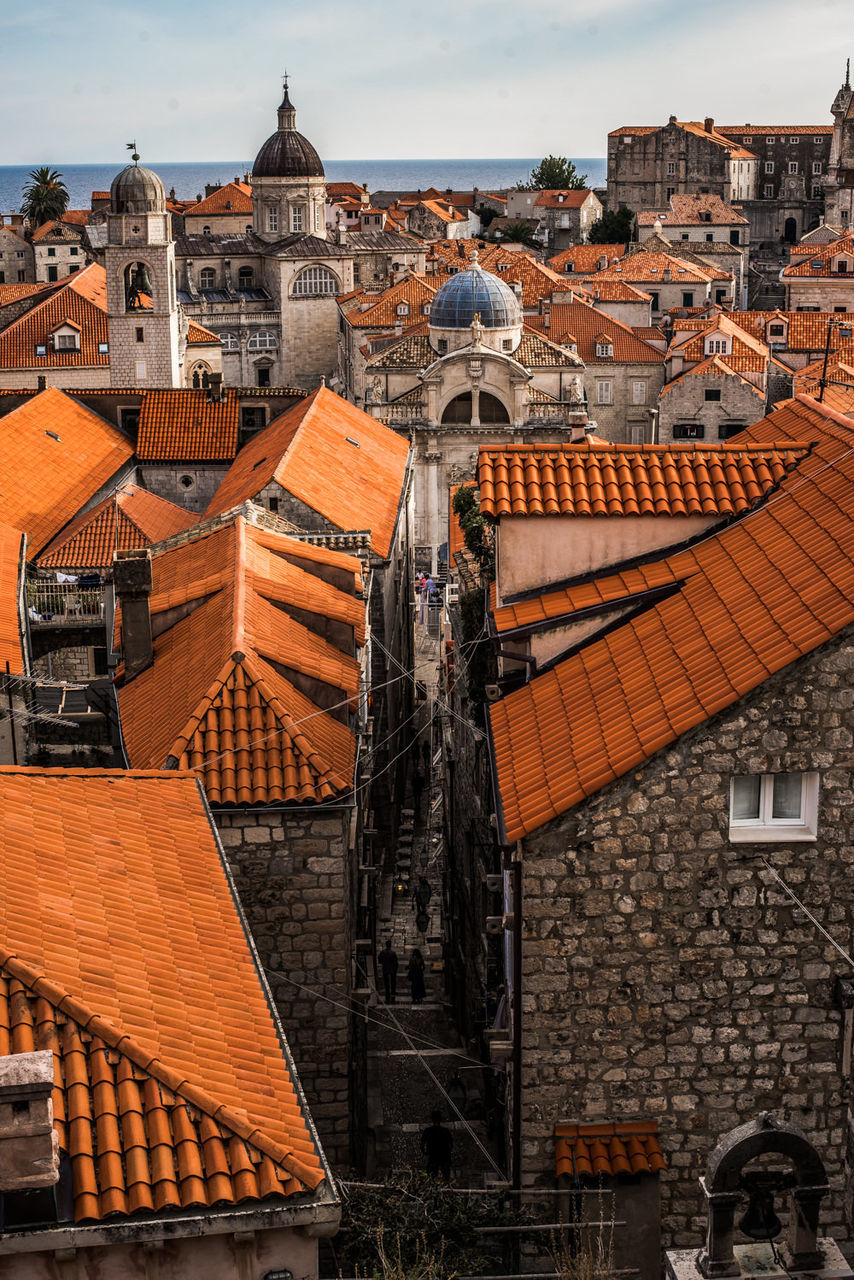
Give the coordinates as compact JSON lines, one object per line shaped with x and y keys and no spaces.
{"x":665,"y":975}
{"x":685,"y":404}
{"x":170,"y":482}
{"x":293,"y":873}
{"x":75,"y":663}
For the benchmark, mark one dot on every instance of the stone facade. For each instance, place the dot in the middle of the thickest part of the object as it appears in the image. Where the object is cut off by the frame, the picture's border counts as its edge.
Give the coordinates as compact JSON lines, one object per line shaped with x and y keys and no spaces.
{"x":190,"y":485}
{"x":665,"y":974}
{"x":16,"y":258}
{"x":294,"y":873}
{"x":59,"y":252}
{"x":707,"y":406}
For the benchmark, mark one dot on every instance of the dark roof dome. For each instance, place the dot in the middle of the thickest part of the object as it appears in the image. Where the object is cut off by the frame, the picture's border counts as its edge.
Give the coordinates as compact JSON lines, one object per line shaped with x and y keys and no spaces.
{"x":137,"y":190}
{"x":286,"y":153}
{"x":475,"y":292}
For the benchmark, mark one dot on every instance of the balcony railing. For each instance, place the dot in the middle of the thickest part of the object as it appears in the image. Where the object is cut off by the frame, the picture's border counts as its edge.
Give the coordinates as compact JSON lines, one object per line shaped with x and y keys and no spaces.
{"x":396,"y":414}
{"x":64,"y":604}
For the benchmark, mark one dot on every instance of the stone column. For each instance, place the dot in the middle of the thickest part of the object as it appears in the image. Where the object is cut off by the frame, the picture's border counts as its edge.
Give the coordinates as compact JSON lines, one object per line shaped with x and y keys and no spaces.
{"x":717,"y":1258}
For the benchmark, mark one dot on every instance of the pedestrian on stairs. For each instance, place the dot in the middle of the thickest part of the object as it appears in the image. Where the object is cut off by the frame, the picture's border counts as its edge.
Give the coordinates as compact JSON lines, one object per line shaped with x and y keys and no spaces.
{"x":437,"y":1143}
{"x":388,"y":964}
{"x":415,"y":974}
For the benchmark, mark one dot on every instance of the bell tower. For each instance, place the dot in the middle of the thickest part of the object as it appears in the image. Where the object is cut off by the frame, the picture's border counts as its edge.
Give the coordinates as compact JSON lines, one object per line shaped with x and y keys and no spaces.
{"x":143,"y":314}
{"x":839,"y":184}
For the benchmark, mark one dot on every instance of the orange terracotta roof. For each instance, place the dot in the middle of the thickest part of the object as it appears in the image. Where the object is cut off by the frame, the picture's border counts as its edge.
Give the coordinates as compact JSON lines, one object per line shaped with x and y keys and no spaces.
{"x":648,"y":268}
{"x":222,"y":696}
{"x":577,"y":320}
{"x":11,"y":641}
{"x":132,"y":517}
{"x":628,"y":479}
{"x":608,"y":1150}
{"x":683,"y":209}
{"x":351,"y":189}
{"x":822,"y":258}
{"x":237,"y":195}
{"x":447,"y":213}
{"x":81,"y":299}
{"x":198,"y":335}
{"x":49,"y":229}
{"x":14,"y":292}
{"x":413,"y":291}
{"x":172,"y":1088}
{"x":751,"y":598}
{"x":757,"y":130}
{"x":804,"y":330}
{"x":616,"y":291}
{"x":569,"y":199}
{"x":187,"y":425}
{"x":713,"y":367}
{"x":332,"y":456}
{"x":55,"y":455}
{"x":583,"y":258}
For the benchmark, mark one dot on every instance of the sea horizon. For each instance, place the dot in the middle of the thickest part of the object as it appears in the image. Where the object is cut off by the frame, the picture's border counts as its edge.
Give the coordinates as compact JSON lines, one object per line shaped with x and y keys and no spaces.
{"x":189,"y":179}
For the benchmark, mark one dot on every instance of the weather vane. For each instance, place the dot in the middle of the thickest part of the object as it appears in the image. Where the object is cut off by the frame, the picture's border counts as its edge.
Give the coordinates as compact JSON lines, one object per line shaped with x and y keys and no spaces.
{"x":131,"y":146}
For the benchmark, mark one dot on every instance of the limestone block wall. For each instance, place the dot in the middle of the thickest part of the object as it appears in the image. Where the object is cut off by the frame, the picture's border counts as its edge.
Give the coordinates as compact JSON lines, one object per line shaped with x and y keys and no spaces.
{"x":292,"y":872}
{"x":664,"y":974}
{"x":685,"y":403}
{"x":170,"y":482}
{"x":67,"y":377}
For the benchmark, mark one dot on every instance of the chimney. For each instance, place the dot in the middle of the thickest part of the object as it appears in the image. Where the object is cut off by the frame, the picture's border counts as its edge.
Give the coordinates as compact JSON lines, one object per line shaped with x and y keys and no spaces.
{"x":578,"y":433}
{"x":215,"y":388}
{"x":517,"y":289}
{"x":709,"y":124}
{"x":29,"y":1146}
{"x":132,"y":583}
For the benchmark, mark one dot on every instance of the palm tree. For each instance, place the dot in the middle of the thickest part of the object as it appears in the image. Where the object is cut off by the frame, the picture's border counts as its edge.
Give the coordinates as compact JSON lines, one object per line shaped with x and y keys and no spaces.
{"x":520,"y":233}
{"x":45,"y":196}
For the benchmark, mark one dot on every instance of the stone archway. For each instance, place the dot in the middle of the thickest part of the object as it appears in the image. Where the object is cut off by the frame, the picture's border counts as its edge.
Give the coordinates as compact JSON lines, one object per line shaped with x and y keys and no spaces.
{"x":790,"y":230}
{"x":461,"y":411}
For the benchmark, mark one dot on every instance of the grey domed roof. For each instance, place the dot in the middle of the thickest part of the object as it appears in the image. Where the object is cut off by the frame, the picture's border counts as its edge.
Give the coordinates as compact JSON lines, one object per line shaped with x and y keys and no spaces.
{"x":137,"y":190}
{"x":286,"y":153}
{"x":475,"y":292}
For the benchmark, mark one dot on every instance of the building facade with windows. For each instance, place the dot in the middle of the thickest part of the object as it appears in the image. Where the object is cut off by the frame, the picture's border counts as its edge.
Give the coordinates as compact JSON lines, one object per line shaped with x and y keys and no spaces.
{"x":674,"y":766}
{"x":17,"y":264}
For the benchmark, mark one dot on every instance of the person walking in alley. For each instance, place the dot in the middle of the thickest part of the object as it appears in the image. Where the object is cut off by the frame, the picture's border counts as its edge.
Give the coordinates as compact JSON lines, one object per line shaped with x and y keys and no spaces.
{"x":388,"y":964}
{"x":437,"y":1143}
{"x":415,"y":974}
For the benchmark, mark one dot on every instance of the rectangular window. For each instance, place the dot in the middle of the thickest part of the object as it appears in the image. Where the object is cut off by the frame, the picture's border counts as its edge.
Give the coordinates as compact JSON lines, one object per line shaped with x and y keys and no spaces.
{"x":720,"y":294}
{"x":735,"y":236}
{"x":73,"y":252}
{"x":688,"y":298}
{"x":65,"y":341}
{"x":712,"y":396}
{"x":272,"y":218}
{"x":22,"y":276}
{"x":2,"y":277}
{"x":816,"y":168}
{"x":41,"y":349}
{"x":654,"y":302}
{"x":794,"y":141}
{"x":769,"y":166}
{"x":671,"y":167}
{"x":76,"y":267}
{"x":771,"y":140}
{"x":768,"y":191}
{"x":603,"y":392}
{"x":140,"y":371}
{"x":818,"y":141}
{"x":793,"y":166}
{"x":51,"y":253}
{"x":689,"y":431}
{"x":776,"y":331}
{"x":103,"y":348}
{"x":638,"y":393}
{"x":773,"y":806}
{"x":816,"y":191}
{"x":727,"y":429}
{"x":52,"y":274}
{"x":356,"y":279}
{"x":296,"y":218}
{"x":140,"y":334}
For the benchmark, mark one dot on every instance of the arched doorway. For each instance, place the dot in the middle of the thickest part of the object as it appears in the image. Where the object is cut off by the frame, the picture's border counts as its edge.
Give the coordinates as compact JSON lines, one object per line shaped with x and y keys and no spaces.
{"x":790,"y":230}
{"x":458,"y":411}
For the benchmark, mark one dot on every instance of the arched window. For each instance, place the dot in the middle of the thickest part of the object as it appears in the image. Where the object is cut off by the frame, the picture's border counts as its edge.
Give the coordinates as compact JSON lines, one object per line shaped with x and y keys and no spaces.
{"x":206,"y":231}
{"x":245,"y":278}
{"x":229,"y":342}
{"x":263,"y":340}
{"x":458,"y":411}
{"x":201,"y":375}
{"x":207,"y":278}
{"x":314,"y":282}
{"x":138,"y":287}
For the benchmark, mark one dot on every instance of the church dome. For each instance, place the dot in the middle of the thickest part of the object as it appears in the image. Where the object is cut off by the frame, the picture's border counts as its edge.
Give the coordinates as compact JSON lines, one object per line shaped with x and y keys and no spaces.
{"x":475,"y":292}
{"x":286,"y":153}
{"x":137,"y":190}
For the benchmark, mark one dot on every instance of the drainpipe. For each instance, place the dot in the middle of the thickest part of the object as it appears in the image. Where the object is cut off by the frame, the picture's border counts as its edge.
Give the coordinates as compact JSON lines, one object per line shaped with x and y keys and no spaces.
{"x":514,"y":866}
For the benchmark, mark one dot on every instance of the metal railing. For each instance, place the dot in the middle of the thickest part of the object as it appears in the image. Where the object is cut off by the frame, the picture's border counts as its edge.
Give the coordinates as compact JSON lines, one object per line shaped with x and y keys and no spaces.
{"x":64,"y":603}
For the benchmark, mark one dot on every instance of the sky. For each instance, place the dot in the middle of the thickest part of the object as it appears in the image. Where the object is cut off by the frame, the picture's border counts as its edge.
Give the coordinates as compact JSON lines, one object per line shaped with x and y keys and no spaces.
{"x":391,"y":79}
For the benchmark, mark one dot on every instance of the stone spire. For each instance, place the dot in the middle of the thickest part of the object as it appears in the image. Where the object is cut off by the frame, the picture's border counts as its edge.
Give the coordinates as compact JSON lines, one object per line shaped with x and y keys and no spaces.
{"x":287,"y":112}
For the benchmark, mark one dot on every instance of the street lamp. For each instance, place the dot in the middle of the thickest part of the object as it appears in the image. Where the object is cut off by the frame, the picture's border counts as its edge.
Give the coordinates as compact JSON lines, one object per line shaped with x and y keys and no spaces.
{"x":844,"y":332}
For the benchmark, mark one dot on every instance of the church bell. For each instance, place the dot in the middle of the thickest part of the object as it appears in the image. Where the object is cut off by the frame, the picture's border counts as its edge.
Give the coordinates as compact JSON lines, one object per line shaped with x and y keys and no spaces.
{"x":760,"y":1221}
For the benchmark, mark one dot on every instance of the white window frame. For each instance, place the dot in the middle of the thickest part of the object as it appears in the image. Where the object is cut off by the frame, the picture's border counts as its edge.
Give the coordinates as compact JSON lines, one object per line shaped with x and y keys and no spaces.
{"x":207,"y":278}
{"x":604,"y":391}
{"x":671,"y":168}
{"x":263,"y":340}
{"x":605,"y":350}
{"x":770,"y":140}
{"x":229,"y":341}
{"x":769,"y":166}
{"x":765,"y":828}
{"x":816,"y":166}
{"x":638,"y":392}
{"x":793,"y":166}
{"x":794,"y":141}
{"x":296,"y":217}
{"x":316,"y":282}
{"x":272,"y":218}
{"x":768,"y":191}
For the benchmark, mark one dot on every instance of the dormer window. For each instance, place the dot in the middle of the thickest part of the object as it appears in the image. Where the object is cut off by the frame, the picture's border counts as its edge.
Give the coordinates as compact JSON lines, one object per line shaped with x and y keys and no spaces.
{"x":604,"y":349}
{"x":717,"y":346}
{"x":403,"y":308}
{"x":776,"y":331}
{"x":65,"y":337}
{"x":816,"y":265}
{"x":425,"y":308}
{"x":569,"y":268}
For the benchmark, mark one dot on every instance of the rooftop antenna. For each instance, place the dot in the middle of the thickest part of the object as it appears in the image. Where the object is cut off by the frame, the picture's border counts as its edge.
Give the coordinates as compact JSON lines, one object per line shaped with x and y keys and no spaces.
{"x":131,"y":146}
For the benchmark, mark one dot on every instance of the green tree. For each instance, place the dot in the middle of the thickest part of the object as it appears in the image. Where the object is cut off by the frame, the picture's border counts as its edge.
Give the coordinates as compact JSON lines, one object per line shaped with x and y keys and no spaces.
{"x":45,"y":196}
{"x":476,"y":533}
{"x":614,"y":227}
{"x":554,"y":173}
{"x":520,"y":233}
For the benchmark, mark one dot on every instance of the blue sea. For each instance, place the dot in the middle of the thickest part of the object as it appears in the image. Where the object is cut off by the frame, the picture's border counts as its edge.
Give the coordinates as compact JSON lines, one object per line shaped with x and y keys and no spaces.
{"x":188,"y":180}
